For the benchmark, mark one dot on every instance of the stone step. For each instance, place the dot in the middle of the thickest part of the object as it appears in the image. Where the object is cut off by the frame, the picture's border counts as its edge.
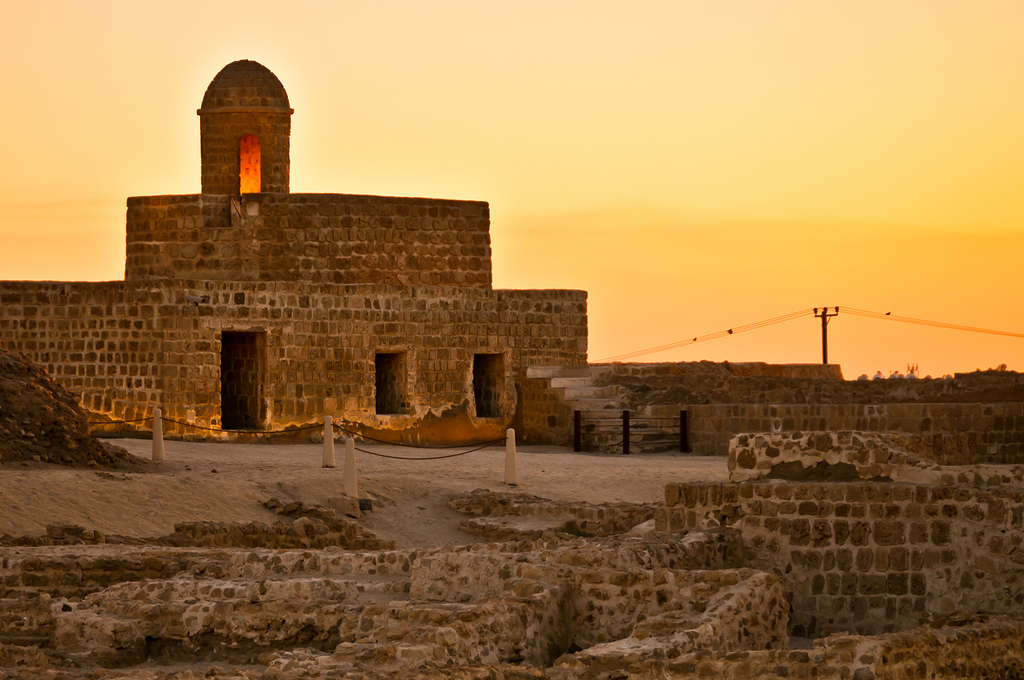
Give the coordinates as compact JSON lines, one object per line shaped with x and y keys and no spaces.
{"x":595,"y":404}
{"x":615,"y":446}
{"x":572,"y":382}
{"x":557,"y":372}
{"x":590,"y":392}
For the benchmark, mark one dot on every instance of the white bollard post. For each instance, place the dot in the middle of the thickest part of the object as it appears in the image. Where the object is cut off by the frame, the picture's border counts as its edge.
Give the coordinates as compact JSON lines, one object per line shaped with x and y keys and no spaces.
{"x":158,"y":435}
{"x":511,"y":472}
{"x":328,"y":460}
{"x":351,"y":484}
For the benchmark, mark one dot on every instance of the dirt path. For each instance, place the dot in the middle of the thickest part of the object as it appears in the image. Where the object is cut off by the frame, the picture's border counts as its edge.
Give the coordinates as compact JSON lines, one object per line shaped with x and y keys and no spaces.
{"x":229,"y":482}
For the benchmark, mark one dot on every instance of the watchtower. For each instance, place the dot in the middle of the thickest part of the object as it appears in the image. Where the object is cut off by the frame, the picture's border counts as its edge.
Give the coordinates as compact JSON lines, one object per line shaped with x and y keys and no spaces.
{"x":244,"y":129}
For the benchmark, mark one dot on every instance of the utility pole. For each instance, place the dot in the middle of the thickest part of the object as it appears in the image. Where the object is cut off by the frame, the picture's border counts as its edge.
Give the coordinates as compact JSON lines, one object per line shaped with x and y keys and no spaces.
{"x":825,"y":315}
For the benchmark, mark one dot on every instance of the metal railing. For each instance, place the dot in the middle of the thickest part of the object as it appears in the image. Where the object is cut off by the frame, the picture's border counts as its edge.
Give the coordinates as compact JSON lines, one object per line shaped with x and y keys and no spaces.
{"x":675,"y":431}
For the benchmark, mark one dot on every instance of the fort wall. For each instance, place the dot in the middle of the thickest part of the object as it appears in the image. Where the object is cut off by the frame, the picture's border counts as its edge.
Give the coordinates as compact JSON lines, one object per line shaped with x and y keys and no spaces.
{"x":315,"y":238}
{"x":723,"y":400}
{"x":123,"y":348}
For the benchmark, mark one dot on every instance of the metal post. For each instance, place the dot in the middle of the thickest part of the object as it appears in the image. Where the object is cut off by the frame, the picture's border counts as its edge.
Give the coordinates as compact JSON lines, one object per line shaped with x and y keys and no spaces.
{"x":577,"y":431}
{"x":511,"y":472}
{"x":351,"y":484}
{"x":158,"y":435}
{"x":625,"y":433}
{"x":328,"y":458}
{"x":684,"y":432}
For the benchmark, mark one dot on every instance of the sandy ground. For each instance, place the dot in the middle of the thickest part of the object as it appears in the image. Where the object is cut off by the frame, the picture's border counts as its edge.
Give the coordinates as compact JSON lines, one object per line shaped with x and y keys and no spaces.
{"x":229,"y":482}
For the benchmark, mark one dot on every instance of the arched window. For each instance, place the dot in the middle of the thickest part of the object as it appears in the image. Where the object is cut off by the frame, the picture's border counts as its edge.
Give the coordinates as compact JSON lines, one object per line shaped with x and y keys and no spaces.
{"x":249,"y":157}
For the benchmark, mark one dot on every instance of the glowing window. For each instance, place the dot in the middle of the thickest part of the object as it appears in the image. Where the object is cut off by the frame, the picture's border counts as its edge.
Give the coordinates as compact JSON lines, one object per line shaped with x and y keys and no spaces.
{"x":249,"y":155}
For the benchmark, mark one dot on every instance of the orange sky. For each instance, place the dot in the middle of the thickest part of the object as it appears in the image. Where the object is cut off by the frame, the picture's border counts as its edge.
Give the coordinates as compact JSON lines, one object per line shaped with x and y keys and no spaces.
{"x":693,"y":165}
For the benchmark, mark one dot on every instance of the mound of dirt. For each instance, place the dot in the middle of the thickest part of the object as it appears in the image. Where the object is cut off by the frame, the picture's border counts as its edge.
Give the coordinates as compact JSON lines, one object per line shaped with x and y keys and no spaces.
{"x":41,"y":421}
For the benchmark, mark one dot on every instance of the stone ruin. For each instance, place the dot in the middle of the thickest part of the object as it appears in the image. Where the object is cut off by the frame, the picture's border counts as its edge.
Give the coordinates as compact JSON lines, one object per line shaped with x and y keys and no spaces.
{"x":869,"y":531}
{"x":41,"y":422}
{"x":829,"y":555}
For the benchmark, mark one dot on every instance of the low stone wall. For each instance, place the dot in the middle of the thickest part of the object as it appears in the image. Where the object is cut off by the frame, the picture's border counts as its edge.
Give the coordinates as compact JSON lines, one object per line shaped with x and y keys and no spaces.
{"x":575,"y":610}
{"x":706,"y":382}
{"x":577,"y":519}
{"x":723,"y":400}
{"x":844,"y":456}
{"x":869,"y":557}
{"x":983,"y":649}
{"x":865,"y":456}
{"x":667,"y":608}
{"x":22,"y":658}
{"x":994,"y":431}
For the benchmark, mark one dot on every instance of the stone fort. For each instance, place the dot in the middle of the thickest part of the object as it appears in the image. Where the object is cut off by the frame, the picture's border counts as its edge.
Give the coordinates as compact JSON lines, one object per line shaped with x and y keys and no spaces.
{"x":248,"y":307}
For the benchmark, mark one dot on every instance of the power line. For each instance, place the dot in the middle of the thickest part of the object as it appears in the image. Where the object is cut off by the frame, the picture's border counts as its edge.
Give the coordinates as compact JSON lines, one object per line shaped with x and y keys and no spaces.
{"x":887,"y":316}
{"x":710,"y":336}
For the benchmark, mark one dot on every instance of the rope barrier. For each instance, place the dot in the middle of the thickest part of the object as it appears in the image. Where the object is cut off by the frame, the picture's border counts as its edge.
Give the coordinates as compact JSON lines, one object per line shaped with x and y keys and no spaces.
{"x":118,"y":422}
{"x":351,"y":485}
{"x":450,"y":455}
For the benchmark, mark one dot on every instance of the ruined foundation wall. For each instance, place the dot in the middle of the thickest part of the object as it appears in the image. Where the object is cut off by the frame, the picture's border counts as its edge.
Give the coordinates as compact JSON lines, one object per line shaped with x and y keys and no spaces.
{"x":123,"y":348}
{"x":869,"y":557}
{"x":979,"y":650}
{"x":846,"y":456}
{"x":317,"y":238}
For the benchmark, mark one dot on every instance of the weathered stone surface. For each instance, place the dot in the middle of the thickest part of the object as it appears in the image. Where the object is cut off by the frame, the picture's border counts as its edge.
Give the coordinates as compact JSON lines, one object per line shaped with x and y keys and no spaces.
{"x":846,"y":455}
{"x":41,"y":421}
{"x":888,"y":552}
{"x":504,"y":516}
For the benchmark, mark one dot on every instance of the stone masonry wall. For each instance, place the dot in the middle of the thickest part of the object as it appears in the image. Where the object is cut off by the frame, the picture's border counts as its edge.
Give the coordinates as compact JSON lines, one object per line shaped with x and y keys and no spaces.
{"x":123,"y":348}
{"x":547,"y":417}
{"x":724,"y":400}
{"x":980,"y":649}
{"x":995,"y":431}
{"x":870,"y":557}
{"x":706,"y":382}
{"x":317,"y":238}
{"x":219,"y":132}
{"x":846,"y":456}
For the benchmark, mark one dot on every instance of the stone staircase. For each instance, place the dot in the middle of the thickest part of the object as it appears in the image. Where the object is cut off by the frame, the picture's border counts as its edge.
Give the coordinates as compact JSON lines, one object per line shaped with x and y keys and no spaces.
{"x":653,"y":429}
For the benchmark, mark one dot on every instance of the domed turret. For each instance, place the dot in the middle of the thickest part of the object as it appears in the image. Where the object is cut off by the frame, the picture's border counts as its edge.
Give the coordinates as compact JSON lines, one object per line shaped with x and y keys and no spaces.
{"x":244,"y":128}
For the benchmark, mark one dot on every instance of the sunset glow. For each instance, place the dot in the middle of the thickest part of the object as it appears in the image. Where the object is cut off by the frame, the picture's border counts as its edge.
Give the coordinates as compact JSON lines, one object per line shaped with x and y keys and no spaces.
{"x":695,"y":166}
{"x":249,"y":160}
